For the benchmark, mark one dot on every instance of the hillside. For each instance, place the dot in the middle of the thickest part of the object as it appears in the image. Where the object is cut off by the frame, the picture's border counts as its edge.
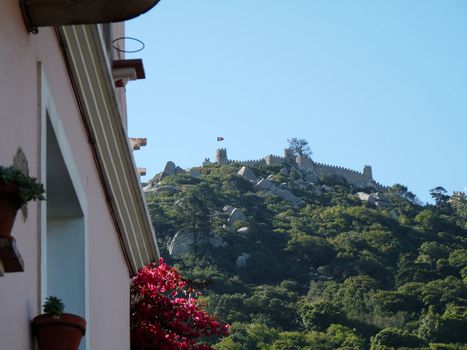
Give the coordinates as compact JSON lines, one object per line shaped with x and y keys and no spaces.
{"x":298,"y":264}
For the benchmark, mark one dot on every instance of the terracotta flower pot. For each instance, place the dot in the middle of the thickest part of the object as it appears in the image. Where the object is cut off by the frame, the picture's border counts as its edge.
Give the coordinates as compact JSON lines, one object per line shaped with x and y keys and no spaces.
{"x":62,"y":332}
{"x":10,"y":202}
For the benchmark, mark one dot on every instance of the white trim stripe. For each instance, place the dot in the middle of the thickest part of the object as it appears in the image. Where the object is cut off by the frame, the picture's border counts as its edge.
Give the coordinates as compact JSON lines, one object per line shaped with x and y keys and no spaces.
{"x":102,"y":113}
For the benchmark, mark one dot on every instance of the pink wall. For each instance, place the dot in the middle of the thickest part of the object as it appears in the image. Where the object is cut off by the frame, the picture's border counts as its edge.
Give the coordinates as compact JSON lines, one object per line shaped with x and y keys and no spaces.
{"x":108,"y":278}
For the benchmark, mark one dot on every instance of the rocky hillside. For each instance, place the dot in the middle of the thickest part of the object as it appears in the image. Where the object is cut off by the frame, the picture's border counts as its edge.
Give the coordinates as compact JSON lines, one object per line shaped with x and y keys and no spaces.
{"x":300,"y":262}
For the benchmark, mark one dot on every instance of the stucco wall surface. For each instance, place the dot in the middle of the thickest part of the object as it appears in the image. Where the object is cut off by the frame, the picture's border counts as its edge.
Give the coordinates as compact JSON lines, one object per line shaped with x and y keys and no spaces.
{"x":107,"y":276}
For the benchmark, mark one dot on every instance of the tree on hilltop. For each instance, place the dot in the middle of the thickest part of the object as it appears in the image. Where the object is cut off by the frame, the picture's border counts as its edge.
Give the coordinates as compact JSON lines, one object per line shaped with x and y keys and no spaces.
{"x":299,"y":147}
{"x":441,"y":198}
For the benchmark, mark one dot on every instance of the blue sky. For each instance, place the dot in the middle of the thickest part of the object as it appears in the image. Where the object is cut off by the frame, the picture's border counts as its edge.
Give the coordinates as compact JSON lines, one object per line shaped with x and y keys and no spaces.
{"x":364,"y":81}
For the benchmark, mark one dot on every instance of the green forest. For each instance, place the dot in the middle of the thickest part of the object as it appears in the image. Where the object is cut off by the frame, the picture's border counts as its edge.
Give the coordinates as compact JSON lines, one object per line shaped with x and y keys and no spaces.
{"x":331,"y":272}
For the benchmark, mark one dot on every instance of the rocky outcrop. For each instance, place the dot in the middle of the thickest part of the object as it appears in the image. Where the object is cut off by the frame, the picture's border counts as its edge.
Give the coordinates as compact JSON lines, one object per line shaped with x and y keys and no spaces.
{"x":376,"y":199}
{"x":153,"y":187}
{"x":243,"y":230}
{"x":271,"y":188}
{"x":183,"y":242}
{"x":170,"y":169}
{"x":149,"y":187}
{"x":311,"y":178}
{"x":247,"y":174}
{"x":365,"y":197}
{"x":228,"y":209}
{"x":284,"y":171}
{"x":286,"y":195}
{"x":240,"y":263}
{"x":264,"y":184}
{"x":236,"y":215}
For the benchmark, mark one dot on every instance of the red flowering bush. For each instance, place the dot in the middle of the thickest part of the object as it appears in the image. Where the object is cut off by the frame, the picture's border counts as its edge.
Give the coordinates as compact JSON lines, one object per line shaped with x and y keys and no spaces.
{"x":164,"y":315}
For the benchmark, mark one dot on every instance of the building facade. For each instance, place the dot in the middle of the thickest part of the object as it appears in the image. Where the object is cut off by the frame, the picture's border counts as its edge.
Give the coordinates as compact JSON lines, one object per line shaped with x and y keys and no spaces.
{"x":63,"y":117}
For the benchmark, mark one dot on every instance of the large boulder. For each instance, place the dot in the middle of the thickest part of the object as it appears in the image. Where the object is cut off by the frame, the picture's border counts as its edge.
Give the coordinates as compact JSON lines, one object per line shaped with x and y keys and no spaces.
{"x":380,"y":199}
{"x":311,"y":177}
{"x":179,"y":170}
{"x":228,"y":209}
{"x":246,"y":173}
{"x":264,"y":184}
{"x":305,"y":163}
{"x":300,"y":184}
{"x":149,"y":187}
{"x":154,"y":187}
{"x":376,"y":199}
{"x":243,"y":229}
{"x":169,"y":169}
{"x":236,"y":215}
{"x":364,"y":197}
{"x":271,"y":188}
{"x":240,"y":263}
{"x":182,"y":242}
{"x":284,"y":171}
{"x":287,"y":196}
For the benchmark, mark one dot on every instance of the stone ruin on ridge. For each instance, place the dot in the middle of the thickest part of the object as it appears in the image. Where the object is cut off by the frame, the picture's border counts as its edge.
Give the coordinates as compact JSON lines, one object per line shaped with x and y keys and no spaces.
{"x":312,"y":169}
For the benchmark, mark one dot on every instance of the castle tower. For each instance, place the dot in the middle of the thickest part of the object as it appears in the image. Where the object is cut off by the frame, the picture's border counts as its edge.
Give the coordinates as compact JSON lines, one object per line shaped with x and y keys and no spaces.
{"x":289,"y":156}
{"x":367,"y":172}
{"x":206,"y":162}
{"x":221,"y":156}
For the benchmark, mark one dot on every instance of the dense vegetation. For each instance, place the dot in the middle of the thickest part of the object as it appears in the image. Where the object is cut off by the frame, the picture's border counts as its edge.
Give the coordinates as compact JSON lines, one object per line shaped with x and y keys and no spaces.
{"x":334,"y":273}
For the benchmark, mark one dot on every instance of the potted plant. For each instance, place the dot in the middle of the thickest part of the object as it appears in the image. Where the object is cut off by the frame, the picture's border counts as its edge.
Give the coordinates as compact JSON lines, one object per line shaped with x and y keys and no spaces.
{"x":16,"y":189}
{"x":56,"y":330}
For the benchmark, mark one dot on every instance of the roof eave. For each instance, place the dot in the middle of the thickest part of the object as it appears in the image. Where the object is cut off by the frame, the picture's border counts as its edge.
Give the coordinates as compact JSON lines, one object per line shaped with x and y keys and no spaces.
{"x":41,"y":13}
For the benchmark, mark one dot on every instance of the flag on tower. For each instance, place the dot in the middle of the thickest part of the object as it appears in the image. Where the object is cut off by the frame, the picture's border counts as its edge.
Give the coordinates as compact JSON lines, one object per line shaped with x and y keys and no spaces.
{"x":220,"y":138}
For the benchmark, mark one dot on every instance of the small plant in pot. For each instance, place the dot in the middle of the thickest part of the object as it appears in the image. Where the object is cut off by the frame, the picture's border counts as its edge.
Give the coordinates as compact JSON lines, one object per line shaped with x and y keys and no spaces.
{"x":56,"y":330}
{"x":16,"y":189}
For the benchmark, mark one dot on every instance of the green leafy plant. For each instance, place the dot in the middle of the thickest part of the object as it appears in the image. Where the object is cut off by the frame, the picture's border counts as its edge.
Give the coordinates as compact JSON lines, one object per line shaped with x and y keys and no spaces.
{"x":28,"y":187}
{"x":53,"y":306}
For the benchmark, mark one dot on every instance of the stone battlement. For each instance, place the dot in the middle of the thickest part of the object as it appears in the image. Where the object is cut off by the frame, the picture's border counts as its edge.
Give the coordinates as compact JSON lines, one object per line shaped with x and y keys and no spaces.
{"x":274,"y":160}
{"x":337,"y":168}
{"x":354,"y":177}
{"x":379,"y":186}
{"x":249,"y":162}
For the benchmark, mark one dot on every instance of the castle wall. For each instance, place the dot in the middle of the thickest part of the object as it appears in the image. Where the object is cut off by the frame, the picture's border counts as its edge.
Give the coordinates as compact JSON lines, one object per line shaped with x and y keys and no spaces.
{"x":351,"y":176}
{"x":250,"y":162}
{"x":356,"y":178}
{"x":379,"y":186}
{"x":274,"y":160}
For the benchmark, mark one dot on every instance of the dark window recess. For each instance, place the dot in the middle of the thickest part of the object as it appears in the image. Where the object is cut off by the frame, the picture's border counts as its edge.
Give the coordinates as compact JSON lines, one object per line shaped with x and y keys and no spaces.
{"x":10,"y":258}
